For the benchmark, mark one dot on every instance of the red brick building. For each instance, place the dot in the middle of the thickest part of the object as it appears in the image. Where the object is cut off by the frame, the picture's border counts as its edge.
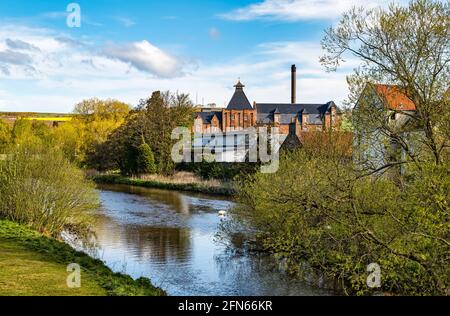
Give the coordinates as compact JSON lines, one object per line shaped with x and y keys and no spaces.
{"x":240,"y":114}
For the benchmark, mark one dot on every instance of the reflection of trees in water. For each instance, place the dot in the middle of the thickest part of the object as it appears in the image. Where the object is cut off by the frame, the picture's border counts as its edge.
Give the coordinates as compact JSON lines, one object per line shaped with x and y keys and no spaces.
{"x":259,"y":274}
{"x":163,"y":244}
{"x":171,"y":198}
{"x":244,"y":272}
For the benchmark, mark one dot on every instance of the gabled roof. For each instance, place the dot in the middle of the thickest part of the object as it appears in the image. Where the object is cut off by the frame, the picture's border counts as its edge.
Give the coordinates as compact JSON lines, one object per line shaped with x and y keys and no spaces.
{"x":394,"y":97}
{"x":208,"y":116}
{"x":289,"y":112}
{"x":239,"y":100}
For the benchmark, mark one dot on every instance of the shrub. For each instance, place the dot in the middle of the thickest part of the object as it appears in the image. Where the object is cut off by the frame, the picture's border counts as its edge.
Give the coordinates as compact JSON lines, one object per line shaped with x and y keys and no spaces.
{"x":146,"y":159}
{"x":318,"y":209}
{"x":40,"y":188}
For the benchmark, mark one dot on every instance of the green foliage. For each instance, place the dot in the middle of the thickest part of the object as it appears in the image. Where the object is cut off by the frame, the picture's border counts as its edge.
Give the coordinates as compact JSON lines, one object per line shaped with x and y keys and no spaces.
{"x":78,"y":138}
{"x":392,"y":207}
{"x":318,"y":209}
{"x":39,"y":187}
{"x":151,"y":123}
{"x":5,"y":136}
{"x":92,"y":110}
{"x":406,"y":46}
{"x":145,"y":160}
{"x":346,"y":124}
{"x":27,"y":132}
{"x":222,"y":171}
{"x":94,"y":123}
{"x":67,"y":137}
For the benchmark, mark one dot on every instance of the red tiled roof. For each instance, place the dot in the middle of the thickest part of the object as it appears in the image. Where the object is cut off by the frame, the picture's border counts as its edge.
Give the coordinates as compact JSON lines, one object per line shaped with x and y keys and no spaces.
{"x":396,"y":100}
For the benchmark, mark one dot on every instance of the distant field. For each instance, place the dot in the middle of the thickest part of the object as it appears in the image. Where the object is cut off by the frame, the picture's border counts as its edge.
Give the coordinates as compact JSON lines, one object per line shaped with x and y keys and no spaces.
{"x":43,"y":117}
{"x":36,"y":115}
{"x":54,"y":119}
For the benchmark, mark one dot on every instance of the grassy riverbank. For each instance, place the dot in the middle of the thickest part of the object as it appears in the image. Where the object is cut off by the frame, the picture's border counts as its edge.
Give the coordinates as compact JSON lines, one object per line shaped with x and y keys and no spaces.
{"x":33,"y":264}
{"x":176,"y":182}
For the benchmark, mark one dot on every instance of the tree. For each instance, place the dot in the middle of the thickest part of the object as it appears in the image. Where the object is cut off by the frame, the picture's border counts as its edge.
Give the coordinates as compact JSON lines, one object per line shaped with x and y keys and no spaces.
{"x":95,"y":109}
{"x":31,"y":132}
{"x":95,"y":120}
{"x":68,"y":138}
{"x":145,"y":159}
{"x":338,"y":216}
{"x":403,"y":46}
{"x":39,"y":187}
{"x":319,"y":209}
{"x":162,"y":113}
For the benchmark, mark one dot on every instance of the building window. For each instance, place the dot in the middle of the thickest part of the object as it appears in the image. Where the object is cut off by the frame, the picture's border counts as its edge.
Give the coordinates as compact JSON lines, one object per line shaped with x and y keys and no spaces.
{"x":246,"y":117}
{"x":232,"y":117}
{"x":239,"y":119}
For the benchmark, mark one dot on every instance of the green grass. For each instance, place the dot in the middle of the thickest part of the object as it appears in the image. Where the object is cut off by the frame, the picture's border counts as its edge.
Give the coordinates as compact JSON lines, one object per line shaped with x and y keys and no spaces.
{"x":192,"y":187}
{"x":27,"y":273}
{"x":32,"y":264}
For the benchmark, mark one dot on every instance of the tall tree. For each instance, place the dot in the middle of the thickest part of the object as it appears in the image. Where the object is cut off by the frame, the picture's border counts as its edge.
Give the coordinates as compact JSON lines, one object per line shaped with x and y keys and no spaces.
{"x":341,"y":217}
{"x":404,"y":46}
{"x":164,"y":112}
{"x":151,"y":124}
{"x":95,"y":120}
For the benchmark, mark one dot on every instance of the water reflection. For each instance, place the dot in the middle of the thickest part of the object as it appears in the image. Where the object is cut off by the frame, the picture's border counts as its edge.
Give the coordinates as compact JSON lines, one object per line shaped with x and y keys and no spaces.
{"x":169,"y":237}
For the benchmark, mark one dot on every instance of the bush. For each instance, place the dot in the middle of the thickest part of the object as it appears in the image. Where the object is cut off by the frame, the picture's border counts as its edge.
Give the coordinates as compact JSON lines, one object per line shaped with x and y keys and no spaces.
{"x":146,"y":159}
{"x":40,"y":188}
{"x":317,"y":209}
{"x":225,"y":171}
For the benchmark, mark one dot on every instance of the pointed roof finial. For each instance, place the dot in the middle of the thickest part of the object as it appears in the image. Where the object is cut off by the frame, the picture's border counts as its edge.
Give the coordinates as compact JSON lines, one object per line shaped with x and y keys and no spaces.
{"x":239,"y":100}
{"x":239,"y":85}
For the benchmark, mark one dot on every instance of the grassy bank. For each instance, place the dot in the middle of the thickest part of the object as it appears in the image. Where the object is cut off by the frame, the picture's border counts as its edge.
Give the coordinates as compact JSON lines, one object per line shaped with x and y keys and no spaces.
{"x":168,"y":183}
{"x":33,"y":264}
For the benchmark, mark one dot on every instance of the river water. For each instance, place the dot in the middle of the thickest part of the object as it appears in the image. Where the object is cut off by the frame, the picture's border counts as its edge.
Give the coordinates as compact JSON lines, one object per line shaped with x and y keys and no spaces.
{"x":170,"y":237}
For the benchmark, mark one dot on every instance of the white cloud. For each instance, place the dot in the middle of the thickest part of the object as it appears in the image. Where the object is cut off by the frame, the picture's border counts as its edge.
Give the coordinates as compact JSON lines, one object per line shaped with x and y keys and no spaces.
{"x":297,"y":10}
{"x":146,"y":57}
{"x":127,"y":22}
{"x":65,"y":71}
{"x":20,"y":45}
{"x":14,"y":58}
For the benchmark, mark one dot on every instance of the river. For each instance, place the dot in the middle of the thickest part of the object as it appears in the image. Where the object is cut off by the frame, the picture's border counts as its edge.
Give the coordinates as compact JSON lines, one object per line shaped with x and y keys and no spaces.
{"x":170,"y":237}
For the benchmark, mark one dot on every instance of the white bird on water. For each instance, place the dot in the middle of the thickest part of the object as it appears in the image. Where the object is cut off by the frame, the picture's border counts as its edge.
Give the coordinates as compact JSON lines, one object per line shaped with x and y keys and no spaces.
{"x":222,"y":213}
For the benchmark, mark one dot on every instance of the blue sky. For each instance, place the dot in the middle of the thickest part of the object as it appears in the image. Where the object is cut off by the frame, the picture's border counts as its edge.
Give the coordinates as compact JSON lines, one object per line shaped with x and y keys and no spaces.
{"x":127,"y":49}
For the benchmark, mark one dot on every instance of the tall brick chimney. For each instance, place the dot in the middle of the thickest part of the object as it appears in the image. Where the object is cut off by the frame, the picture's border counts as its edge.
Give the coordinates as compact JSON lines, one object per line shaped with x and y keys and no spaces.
{"x":293,"y":84}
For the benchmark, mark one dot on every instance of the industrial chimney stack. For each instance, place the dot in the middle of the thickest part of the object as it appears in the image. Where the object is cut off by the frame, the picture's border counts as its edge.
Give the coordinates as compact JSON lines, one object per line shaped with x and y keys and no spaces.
{"x":293,"y":84}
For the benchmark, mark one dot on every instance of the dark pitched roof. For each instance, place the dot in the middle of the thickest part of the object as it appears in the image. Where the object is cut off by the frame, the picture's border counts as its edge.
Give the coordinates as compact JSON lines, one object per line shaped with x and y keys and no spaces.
{"x":207,"y":116}
{"x":291,"y":142}
{"x":239,"y":100}
{"x":289,"y":112}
